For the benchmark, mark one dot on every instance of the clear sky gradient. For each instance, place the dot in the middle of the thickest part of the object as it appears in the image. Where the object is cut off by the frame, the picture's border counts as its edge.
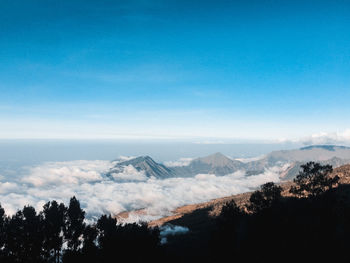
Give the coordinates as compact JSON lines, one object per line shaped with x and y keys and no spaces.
{"x":173,"y":69}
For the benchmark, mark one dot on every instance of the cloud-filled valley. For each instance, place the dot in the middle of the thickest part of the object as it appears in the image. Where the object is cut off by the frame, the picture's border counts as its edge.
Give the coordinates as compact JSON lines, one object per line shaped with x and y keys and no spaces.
{"x":140,"y":183}
{"x":126,"y":191}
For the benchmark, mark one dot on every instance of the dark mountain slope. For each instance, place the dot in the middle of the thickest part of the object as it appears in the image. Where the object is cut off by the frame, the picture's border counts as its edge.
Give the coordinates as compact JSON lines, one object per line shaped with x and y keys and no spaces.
{"x":146,"y":164}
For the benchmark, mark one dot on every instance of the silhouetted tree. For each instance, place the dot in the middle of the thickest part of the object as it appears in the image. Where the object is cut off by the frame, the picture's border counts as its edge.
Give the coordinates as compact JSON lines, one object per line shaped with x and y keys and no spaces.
{"x":30,"y":237}
{"x":225,"y":238}
{"x":305,"y":229}
{"x":126,"y":239}
{"x":265,"y":197}
{"x":108,"y":236}
{"x":313,"y":180}
{"x":229,"y":211}
{"x":24,"y":236}
{"x":89,"y":237}
{"x":139,"y":237}
{"x":33,"y":234}
{"x":54,"y":220}
{"x":75,"y":224}
{"x":2,"y":232}
{"x":89,"y":250}
{"x":14,"y":237}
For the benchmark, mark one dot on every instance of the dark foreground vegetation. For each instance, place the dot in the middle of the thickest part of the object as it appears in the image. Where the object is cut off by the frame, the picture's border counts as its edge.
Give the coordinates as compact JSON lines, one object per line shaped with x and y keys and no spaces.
{"x":59,"y":234}
{"x":313,"y":224}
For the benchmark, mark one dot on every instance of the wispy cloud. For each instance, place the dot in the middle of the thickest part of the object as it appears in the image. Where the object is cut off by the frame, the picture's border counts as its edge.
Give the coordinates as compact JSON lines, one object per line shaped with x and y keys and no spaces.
{"x":328,"y":138}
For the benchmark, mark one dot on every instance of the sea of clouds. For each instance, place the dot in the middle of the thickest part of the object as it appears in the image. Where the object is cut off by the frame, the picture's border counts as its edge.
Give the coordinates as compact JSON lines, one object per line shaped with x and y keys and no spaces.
{"x":125,"y":191}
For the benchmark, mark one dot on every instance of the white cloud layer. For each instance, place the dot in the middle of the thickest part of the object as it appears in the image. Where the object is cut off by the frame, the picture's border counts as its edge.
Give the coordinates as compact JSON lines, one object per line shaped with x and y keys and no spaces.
{"x":130,"y":190}
{"x":328,"y":138}
{"x":129,"y":173}
{"x":252,"y":159}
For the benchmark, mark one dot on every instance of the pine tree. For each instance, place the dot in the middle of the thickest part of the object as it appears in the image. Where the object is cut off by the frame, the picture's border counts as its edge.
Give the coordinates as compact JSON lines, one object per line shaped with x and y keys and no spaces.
{"x":54,"y":219}
{"x":75,"y":225}
{"x":265,"y":197}
{"x":313,"y":180}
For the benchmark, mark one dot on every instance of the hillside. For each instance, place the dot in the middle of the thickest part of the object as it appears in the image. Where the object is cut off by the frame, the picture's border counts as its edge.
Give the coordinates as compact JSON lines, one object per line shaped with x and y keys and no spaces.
{"x":213,"y":207}
{"x":307,"y":230}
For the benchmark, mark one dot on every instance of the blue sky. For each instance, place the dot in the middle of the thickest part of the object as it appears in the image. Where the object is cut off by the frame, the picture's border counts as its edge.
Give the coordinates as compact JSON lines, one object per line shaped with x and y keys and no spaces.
{"x":187,"y":70}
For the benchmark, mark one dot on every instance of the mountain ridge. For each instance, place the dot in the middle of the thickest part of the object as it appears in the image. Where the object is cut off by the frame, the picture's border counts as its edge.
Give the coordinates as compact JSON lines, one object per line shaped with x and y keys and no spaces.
{"x":219,"y":164}
{"x":145,"y":164}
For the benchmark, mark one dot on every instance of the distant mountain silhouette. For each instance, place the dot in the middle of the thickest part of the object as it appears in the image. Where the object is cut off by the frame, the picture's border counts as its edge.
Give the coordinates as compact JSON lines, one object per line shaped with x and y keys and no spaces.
{"x":219,"y":164}
{"x":325,"y":147}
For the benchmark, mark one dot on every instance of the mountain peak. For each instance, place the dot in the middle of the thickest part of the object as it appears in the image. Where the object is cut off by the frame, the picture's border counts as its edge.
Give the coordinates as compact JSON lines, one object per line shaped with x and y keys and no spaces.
{"x":216,"y":159}
{"x":141,"y":159}
{"x":146,"y":164}
{"x":216,"y":163}
{"x":218,"y":155}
